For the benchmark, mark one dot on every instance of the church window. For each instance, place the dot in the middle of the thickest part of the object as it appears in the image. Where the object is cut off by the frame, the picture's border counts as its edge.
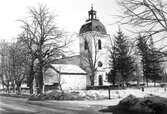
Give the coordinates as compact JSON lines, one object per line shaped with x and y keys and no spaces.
{"x":100,"y":64}
{"x":99,"y":44}
{"x":86,"y":45}
{"x":100,"y":80}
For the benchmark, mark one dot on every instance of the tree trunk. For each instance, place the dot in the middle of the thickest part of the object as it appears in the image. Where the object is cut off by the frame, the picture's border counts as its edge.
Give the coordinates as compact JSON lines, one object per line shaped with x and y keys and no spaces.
{"x":124,"y":82}
{"x":138,"y":83}
{"x":113,"y":82}
{"x":40,"y":80}
{"x":13,"y":87}
{"x":92,"y":83}
{"x":18,"y":90}
{"x":31,"y":89}
{"x":35,"y":85}
{"x":7,"y":89}
{"x":147,"y":81}
{"x":154,"y":83}
{"x":3,"y":87}
{"x":30,"y":83}
{"x":138,"y":76}
{"x":31,"y":78}
{"x":92,"y":80}
{"x":18,"y":87}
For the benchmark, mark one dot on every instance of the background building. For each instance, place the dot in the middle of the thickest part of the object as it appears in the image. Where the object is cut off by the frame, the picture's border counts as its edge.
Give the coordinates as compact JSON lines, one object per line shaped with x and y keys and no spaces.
{"x":69,"y":77}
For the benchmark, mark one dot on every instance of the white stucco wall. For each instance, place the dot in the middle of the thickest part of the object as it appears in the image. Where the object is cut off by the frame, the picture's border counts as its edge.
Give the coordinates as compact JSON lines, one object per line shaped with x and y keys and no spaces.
{"x":74,"y":82}
{"x":102,"y":54}
{"x":68,"y":81}
{"x":51,"y":77}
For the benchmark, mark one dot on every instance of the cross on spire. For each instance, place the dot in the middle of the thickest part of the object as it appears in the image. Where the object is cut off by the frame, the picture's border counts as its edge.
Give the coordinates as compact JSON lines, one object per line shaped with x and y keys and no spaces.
{"x":91,"y":14}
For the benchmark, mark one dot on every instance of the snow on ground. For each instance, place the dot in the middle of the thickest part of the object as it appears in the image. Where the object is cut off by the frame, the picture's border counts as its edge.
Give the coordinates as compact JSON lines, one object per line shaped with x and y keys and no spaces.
{"x":116,"y":95}
{"x":156,"y":91}
{"x":90,"y":103}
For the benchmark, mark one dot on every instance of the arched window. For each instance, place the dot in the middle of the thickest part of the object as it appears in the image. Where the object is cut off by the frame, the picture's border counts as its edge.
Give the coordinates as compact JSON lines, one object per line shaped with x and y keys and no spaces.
{"x":100,"y":80}
{"x":100,"y":64}
{"x":99,"y":44}
{"x":86,"y":45}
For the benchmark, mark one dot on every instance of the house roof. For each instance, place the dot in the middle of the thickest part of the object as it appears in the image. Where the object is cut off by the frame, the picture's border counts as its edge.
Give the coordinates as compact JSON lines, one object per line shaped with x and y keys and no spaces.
{"x":68,"y":69}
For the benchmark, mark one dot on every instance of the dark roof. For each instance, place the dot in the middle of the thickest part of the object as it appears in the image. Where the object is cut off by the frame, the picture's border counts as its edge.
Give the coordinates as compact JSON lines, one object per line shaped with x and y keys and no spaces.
{"x":93,"y":25}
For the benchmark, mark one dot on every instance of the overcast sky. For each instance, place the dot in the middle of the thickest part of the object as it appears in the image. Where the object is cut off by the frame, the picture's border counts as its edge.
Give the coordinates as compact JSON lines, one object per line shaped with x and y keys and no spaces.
{"x":71,"y":14}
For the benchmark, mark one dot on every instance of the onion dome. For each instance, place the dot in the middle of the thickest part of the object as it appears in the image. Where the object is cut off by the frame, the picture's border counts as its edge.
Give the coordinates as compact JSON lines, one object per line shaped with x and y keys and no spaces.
{"x":93,"y":24}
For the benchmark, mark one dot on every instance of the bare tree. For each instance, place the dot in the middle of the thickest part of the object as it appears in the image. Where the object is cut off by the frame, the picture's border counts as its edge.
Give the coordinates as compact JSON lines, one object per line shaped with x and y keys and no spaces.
{"x":27,"y":40}
{"x":90,"y":56}
{"x":13,"y":65}
{"x":47,"y":41}
{"x":6,"y":74}
{"x":148,"y":16}
{"x":18,"y":60}
{"x":2,"y":58}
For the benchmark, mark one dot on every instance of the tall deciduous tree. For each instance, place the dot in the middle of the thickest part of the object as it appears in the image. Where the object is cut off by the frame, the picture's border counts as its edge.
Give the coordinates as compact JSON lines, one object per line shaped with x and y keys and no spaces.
{"x":27,"y":40}
{"x":13,"y":65}
{"x":121,"y":59}
{"x":18,"y":58}
{"x":43,"y":39}
{"x":6,"y":75}
{"x":90,"y":55}
{"x":149,"y":16}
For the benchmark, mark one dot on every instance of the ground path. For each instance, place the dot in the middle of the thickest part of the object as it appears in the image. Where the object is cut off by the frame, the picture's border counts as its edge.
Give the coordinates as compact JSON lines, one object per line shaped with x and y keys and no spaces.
{"x":12,"y":105}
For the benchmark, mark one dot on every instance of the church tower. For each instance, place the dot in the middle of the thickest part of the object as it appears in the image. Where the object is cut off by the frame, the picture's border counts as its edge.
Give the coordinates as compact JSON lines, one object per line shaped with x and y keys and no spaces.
{"x":94,"y":43}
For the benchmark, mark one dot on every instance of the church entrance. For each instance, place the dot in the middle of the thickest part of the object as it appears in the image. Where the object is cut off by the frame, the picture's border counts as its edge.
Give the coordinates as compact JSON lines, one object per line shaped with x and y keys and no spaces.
{"x":100,"y":80}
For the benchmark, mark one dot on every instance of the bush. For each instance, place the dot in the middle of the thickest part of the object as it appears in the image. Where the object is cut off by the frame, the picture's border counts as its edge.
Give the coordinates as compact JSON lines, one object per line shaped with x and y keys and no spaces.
{"x":56,"y":95}
{"x":163,"y":85}
{"x":102,"y":87}
{"x":153,"y":104}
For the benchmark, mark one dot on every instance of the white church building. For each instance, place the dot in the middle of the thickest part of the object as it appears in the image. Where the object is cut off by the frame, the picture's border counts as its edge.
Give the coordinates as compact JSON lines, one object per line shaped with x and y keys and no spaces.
{"x":94,"y":43}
